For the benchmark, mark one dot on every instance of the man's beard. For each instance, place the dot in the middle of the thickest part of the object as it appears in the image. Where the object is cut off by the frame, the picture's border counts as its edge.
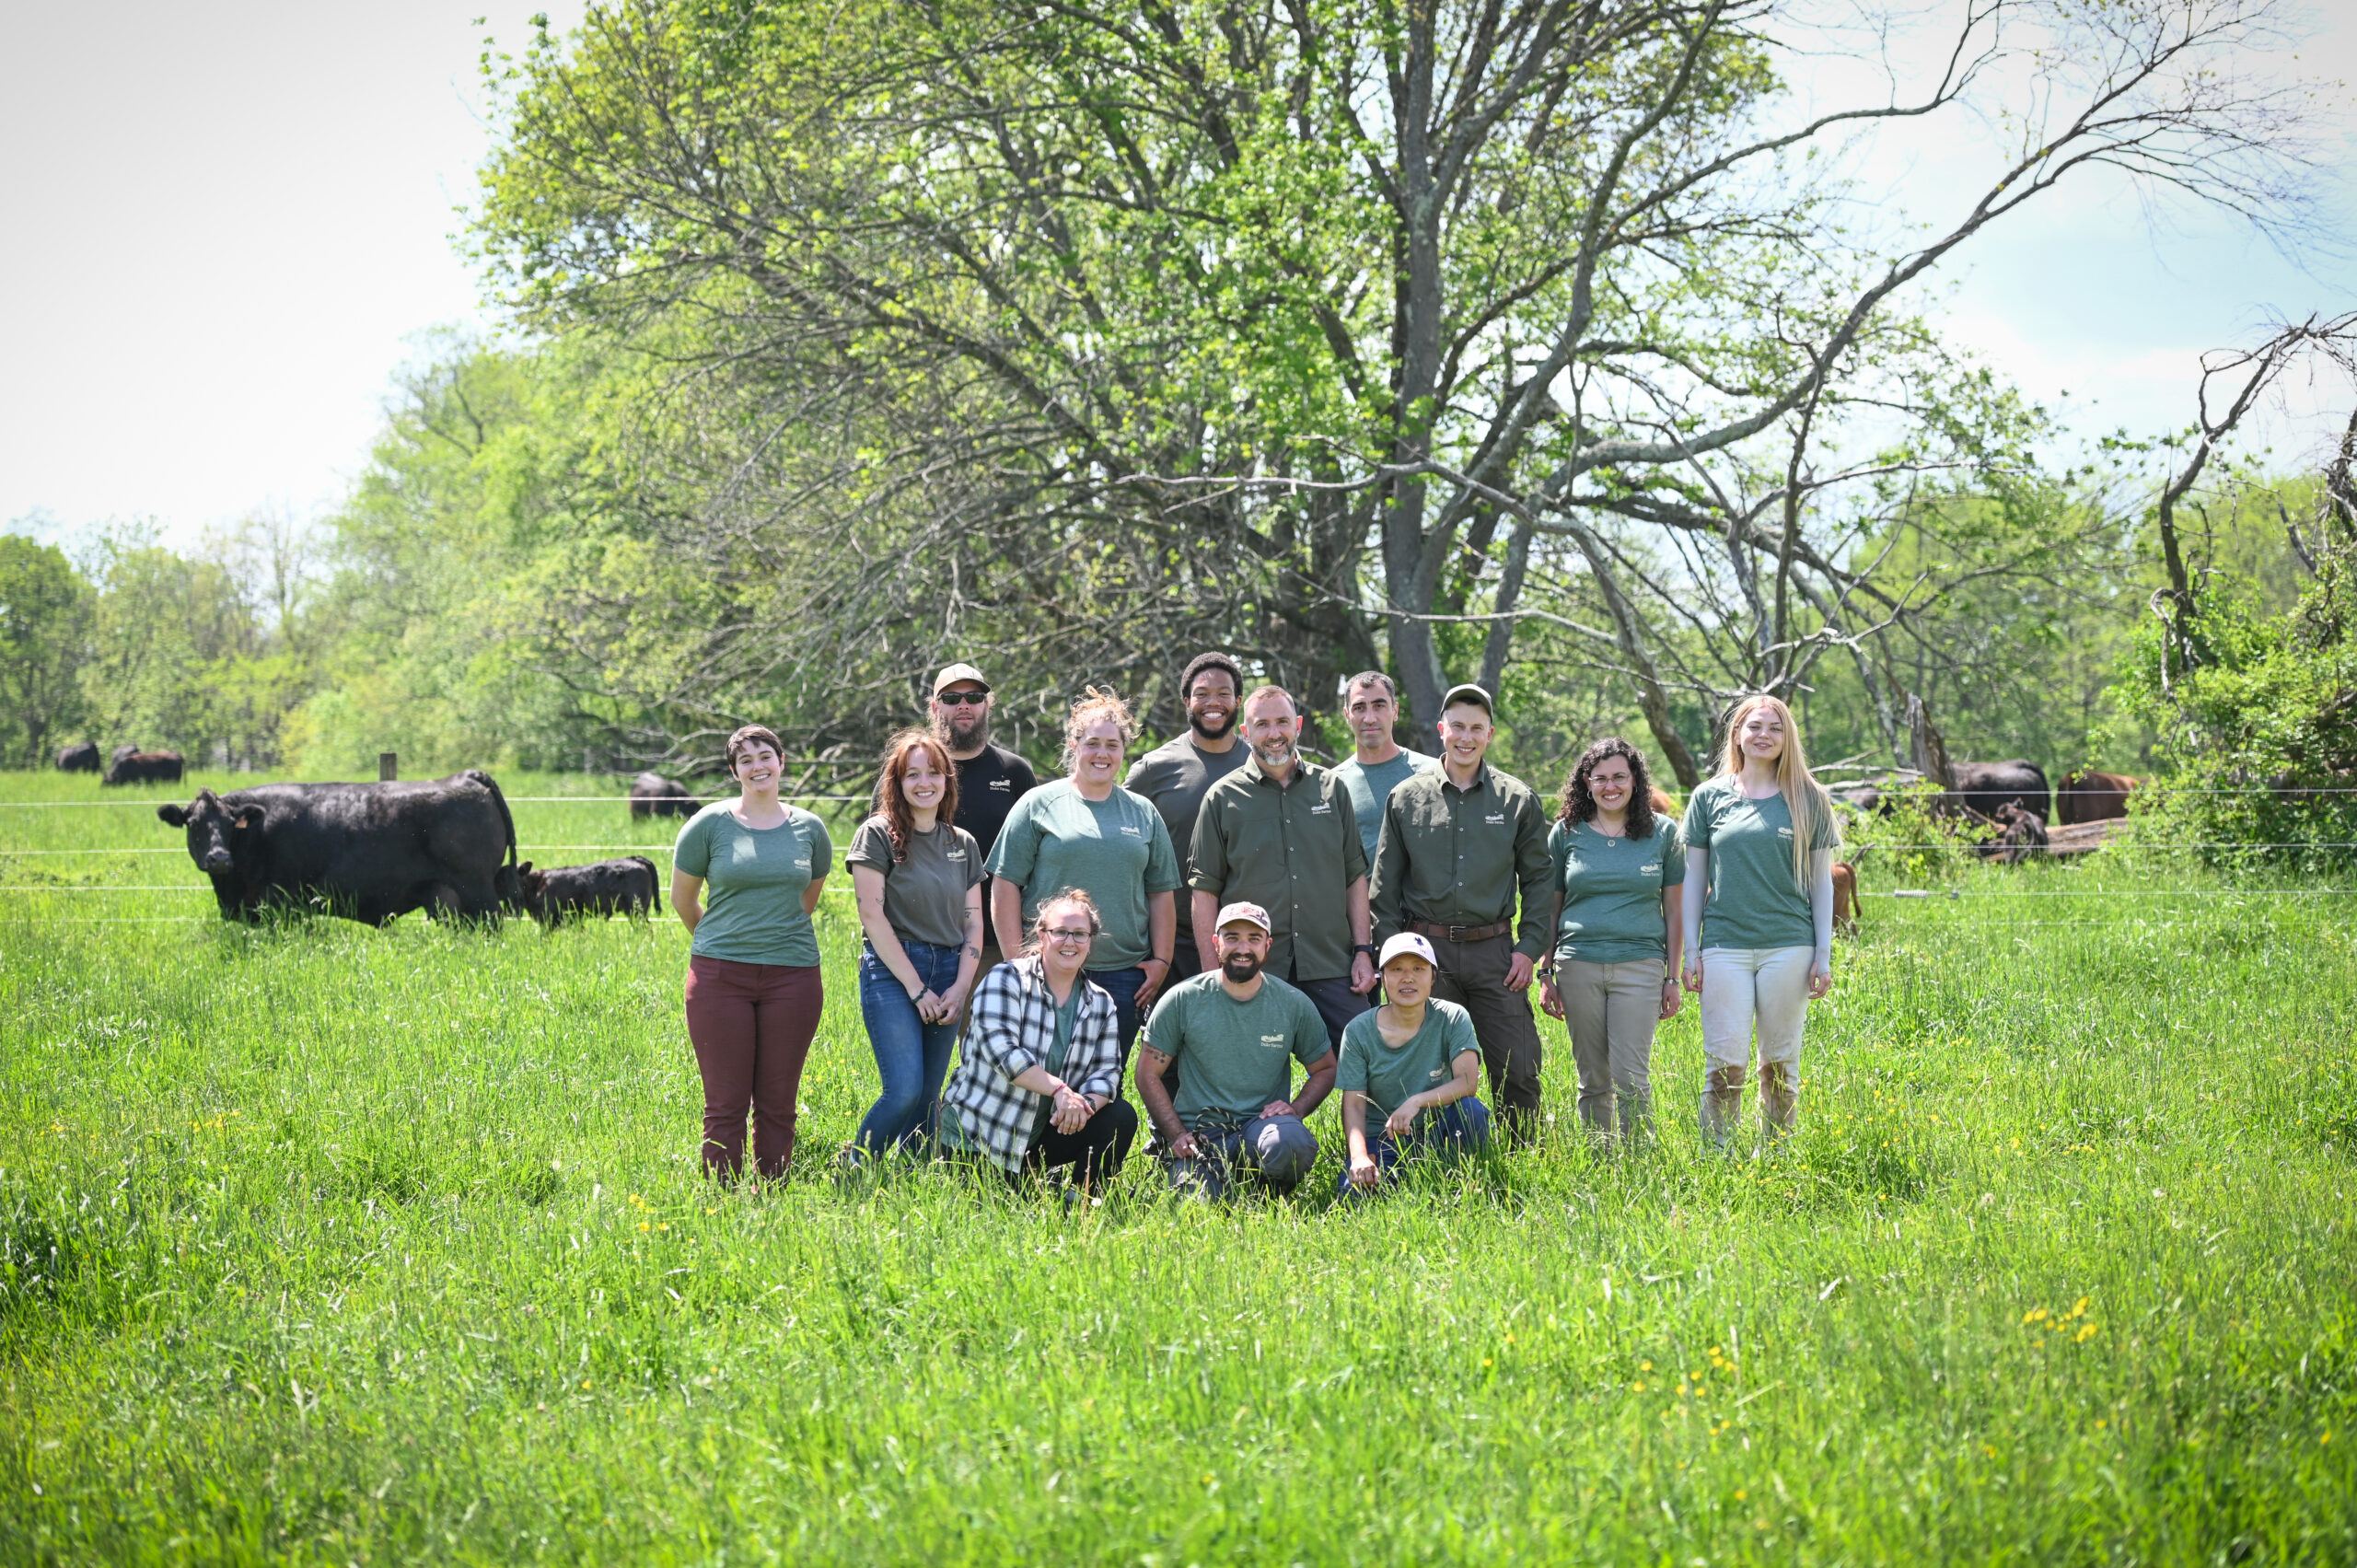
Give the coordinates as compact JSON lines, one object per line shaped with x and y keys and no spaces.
{"x":1284,"y":759}
{"x":969,"y":727}
{"x":1241,"y":966}
{"x":1202,"y":723}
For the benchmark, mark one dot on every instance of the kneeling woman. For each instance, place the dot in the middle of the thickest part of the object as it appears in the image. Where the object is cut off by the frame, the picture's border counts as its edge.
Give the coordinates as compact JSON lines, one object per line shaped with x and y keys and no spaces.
{"x":1038,"y":1082}
{"x":1412,"y":1060}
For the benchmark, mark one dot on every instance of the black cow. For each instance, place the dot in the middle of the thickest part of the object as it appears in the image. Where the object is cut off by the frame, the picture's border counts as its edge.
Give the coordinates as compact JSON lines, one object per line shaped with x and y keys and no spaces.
{"x":131,"y":767}
{"x":1983,"y":787}
{"x":82,"y":759}
{"x":2021,"y":834}
{"x":652,"y":795}
{"x":363,"y":851}
{"x":607,"y":887}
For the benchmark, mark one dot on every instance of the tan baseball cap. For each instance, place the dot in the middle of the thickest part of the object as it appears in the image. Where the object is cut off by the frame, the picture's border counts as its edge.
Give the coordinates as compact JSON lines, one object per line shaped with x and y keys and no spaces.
{"x":952,"y":674}
{"x":1251,"y":914}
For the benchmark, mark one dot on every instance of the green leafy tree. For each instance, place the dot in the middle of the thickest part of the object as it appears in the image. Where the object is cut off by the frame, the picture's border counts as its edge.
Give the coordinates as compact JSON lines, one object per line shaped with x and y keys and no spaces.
{"x":46,"y":621}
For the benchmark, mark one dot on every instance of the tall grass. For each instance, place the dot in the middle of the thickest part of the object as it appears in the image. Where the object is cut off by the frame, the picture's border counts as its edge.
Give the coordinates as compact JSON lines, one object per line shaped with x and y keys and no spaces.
{"x":321,"y":1243}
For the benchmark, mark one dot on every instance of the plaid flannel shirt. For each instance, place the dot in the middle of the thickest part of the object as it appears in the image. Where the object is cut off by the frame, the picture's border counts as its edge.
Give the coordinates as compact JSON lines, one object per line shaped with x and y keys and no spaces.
{"x":1011,"y":1030}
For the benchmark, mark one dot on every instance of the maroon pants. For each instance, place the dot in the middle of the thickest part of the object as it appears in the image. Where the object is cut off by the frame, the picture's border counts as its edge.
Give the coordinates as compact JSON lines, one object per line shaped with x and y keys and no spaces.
{"x":752,"y":1026}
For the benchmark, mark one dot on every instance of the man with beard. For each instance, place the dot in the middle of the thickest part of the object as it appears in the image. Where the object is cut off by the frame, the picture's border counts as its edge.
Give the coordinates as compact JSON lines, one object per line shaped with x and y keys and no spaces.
{"x":1231,"y":1036}
{"x":990,"y":778}
{"x":1458,"y":844}
{"x":1281,"y":833}
{"x":1378,"y":763}
{"x":1175,"y":774}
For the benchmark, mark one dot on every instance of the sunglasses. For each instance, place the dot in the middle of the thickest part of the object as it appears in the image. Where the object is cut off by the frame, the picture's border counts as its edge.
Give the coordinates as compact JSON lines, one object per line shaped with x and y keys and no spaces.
{"x":963,"y":698}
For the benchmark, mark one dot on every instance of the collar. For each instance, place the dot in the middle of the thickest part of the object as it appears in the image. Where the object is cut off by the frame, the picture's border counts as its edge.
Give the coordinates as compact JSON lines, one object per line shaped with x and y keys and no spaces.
{"x":1480,"y":777}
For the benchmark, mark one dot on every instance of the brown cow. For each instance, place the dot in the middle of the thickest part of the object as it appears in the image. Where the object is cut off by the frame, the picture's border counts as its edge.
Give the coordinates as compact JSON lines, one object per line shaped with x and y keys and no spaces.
{"x":2090,"y":797}
{"x":1845,"y":898}
{"x":143,"y":767}
{"x":652,"y":795}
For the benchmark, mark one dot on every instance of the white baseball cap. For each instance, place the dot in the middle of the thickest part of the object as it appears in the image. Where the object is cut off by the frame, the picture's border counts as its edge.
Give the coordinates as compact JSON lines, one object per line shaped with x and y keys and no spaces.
{"x":1410,"y":945}
{"x":1251,"y":914}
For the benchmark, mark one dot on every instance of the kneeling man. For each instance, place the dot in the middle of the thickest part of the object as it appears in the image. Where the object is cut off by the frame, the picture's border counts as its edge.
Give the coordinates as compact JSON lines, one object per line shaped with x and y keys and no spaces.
{"x":1408,"y":1073}
{"x":1233,"y":1034}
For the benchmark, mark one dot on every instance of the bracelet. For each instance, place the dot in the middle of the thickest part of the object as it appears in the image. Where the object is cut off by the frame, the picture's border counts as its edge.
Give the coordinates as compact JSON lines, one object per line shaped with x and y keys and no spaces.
{"x":1158,"y":958}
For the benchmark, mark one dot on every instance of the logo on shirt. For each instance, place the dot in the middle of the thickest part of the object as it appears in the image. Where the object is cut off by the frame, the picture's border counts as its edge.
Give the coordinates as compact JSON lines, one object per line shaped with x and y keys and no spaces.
{"x":1497,"y":818}
{"x":1651,"y":870}
{"x":1132,"y":831}
{"x":1436,"y":1074}
{"x":1784,"y":832}
{"x":803,"y":865}
{"x":1276,"y":1040}
{"x":1321,"y":810}
{"x":1002,"y":785}
{"x":954,"y":855}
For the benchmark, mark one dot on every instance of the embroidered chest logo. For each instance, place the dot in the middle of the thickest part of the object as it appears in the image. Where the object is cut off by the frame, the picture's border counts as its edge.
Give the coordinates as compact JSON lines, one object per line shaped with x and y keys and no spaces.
{"x":1002,"y":785}
{"x":802,"y":864}
{"x":1653,"y":869}
{"x":1321,"y":809}
{"x":1784,"y":832}
{"x":954,"y":855}
{"x":1496,"y":819}
{"x":1132,"y":831}
{"x":1436,"y":1074}
{"x":1276,"y":1040}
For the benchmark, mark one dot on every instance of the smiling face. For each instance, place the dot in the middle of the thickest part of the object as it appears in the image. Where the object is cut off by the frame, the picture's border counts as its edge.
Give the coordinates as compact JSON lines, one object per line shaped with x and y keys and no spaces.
{"x":757,"y":766}
{"x":1465,"y":733}
{"x":1372,"y":711}
{"x":1273,"y":731}
{"x":922,"y":779}
{"x":1211,"y":704}
{"x":1762,"y":734}
{"x":1096,"y":753}
{"x":1611,"y":782}
{"x":961,"y":711}
{"x":1243,"y":948}
{"x":1407,"y":980}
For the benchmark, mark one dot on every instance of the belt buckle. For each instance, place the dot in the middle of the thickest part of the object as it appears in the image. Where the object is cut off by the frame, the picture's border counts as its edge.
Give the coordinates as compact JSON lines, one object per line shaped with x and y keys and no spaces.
{"x":1456,"y":934}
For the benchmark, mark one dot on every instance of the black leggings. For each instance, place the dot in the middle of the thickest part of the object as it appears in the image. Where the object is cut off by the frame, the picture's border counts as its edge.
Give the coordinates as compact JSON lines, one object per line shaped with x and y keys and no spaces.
{"x":1095,"y":1150}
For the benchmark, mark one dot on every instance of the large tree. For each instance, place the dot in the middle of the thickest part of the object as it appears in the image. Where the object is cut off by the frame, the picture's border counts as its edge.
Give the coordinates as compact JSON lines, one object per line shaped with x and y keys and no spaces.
{"x":1348,"y":318}
{"x":45,"y":625}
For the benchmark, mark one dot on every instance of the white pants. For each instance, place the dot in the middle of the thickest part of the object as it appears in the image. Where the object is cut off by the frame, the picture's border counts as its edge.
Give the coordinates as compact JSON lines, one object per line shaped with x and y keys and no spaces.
{"x":1742,"y":986}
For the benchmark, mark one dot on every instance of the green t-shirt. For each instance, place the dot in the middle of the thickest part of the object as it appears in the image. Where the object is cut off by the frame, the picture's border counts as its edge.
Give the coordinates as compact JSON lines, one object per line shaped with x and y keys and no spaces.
{"x":1753,"y":900}
{"x":1388,"y":1075}
{"x":1612,"y":890}
{"x":1234,"y":1057}
{"x":1370,"y":787}
{"x":753,"y":880}
{"x":1115,"y":850}
{"x":924,"y":895}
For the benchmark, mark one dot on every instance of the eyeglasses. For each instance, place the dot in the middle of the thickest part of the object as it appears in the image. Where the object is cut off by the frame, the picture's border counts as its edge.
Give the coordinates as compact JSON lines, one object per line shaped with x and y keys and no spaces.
{"x":962,"y":699}
{"x":1061,"y":935}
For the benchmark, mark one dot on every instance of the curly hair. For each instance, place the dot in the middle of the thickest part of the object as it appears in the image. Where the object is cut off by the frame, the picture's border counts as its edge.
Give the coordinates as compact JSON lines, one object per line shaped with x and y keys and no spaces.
{"x":1095,"y":703}
{"x":1579,"y":802}
{"x":891,"y":802}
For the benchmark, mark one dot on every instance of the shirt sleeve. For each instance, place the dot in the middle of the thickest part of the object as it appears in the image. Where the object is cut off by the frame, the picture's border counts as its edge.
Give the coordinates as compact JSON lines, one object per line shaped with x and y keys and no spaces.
{"x":1162,"y":875}
{"x":871,"y":845}
{"x":1019,"y":769}
{"x":1018,"y":843}
{"x":973,"y":860}
{"x":1459,"y":1037}
{"x":1694,"y":833}
{"x":1355,"y":861}
{"x":1097,"y":1040}
{"x":1165,"y":1027}
{"x":822,"y":846}
{"x":994,"y":1032}
{"x":1207,"y":856}
{"x":1673,"y":855}
{"x":1533,"y":865}
{"x":1309,"y":1041}
{"x":1352,"y":1072}
{"x":691,"y":851}
{"x":1390,"y":865}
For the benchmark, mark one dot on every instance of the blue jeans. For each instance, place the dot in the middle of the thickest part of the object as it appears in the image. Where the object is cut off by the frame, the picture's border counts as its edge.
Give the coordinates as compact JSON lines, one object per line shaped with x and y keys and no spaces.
{"x":1448,"y":1133}
{"x":1122,"y":986}
{"x":912,"y":1056}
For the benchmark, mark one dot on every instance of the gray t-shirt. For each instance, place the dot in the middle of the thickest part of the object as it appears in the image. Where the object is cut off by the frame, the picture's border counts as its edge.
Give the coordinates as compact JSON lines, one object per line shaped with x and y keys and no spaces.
{"x":753,"y":881}
{"x":1115,"y":850}
{"x":1388,"y":1075}
{"x":1234,"y":1057}
{"x":1174,"y":775}
{"x":924,"y":895}
{"x":1752,"y":898}
{"x":1370,"y":787}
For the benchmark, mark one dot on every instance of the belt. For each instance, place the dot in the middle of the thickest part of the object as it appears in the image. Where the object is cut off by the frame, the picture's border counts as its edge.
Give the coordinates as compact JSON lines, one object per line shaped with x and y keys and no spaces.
{"x":1460,"y":933}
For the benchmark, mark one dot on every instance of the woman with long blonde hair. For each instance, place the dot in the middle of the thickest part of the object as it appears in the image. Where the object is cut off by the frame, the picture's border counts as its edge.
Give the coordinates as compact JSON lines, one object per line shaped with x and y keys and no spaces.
{"x":1758,"y":915}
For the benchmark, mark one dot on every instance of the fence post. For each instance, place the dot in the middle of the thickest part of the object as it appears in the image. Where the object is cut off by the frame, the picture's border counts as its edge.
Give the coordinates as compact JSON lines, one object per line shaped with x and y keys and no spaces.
{"x":389,"y":766}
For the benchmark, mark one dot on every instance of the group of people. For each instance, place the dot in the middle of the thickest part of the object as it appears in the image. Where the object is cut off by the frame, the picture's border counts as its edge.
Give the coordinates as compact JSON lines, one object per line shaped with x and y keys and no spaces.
{"x":1378,"y":925}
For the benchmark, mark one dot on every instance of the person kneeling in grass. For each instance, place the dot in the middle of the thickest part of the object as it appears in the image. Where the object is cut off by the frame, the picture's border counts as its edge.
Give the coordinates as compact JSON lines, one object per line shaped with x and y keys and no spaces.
{"x":1413,"y":1060}
{"x":1234,"y":1034}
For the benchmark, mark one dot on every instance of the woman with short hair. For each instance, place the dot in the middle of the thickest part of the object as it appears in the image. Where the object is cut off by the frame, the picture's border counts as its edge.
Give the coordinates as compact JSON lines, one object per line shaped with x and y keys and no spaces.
{"x":1618,"y":873}
{"x":918,"y":878}
{"x":1037,"y":1086}
{"x":746,"y":873}
{"x":1088,"y":833}
{"x":1757,"y":915}
{"x":1408,"y":1073}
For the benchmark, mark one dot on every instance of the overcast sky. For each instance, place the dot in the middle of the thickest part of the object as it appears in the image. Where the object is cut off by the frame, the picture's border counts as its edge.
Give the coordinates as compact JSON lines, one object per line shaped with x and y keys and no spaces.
{"x":225,"y":226}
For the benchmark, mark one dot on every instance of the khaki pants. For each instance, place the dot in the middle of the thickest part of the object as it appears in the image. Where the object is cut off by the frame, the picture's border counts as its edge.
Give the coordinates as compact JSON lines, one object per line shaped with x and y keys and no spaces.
{"x":1472,"y":975}
{"x":1742,"y":986}
{"x":1612,"y":1010}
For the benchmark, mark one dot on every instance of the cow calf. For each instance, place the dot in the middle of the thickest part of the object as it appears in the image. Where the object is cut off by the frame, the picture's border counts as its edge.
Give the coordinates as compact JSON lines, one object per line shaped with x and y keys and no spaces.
{"x":559,"y":893}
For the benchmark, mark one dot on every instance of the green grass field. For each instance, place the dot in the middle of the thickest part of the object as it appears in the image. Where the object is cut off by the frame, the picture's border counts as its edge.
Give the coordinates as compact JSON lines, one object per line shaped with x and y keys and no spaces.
{"x":326,"y":1244}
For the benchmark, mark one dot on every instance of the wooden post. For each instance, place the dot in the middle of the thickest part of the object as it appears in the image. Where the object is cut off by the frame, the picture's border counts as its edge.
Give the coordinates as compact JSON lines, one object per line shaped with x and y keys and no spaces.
{"x":389,"y":766}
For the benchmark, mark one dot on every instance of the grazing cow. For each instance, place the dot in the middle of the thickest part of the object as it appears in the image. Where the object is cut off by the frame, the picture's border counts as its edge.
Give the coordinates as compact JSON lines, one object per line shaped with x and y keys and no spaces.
{"x":2090,"y":797}
{"x":2021,"y":834}
{"x":652,"y":795}
{"x":144,"y":767}
{"x":1845,"y":898}
{"x":1983,"y":787}
{"x":82,"y":759}
{"x":362,"y":851}
{"x":561,"y":893}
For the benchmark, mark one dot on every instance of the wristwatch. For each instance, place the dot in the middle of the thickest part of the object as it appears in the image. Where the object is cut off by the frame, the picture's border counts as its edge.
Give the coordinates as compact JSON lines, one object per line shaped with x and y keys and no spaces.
{"x":1366,"y":948}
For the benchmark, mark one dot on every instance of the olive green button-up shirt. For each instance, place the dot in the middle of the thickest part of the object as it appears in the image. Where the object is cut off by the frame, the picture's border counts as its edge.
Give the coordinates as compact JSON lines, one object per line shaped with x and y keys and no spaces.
{"x":1457,"y":856}
{"x":1292,"y":849}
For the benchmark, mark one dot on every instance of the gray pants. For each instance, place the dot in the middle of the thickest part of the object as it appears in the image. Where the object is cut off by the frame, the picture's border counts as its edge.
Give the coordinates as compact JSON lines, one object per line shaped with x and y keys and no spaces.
{"x":1275,"y":1151}
{"x":1612,"y":1010}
